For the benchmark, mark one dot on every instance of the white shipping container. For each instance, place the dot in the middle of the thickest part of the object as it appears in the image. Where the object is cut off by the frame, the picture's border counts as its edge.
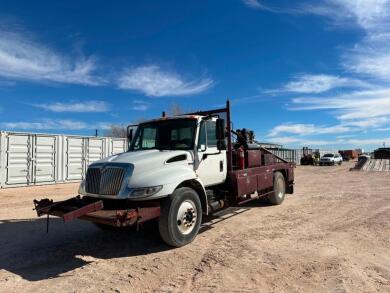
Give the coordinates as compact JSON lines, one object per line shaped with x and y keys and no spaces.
{"x":32,"y":158}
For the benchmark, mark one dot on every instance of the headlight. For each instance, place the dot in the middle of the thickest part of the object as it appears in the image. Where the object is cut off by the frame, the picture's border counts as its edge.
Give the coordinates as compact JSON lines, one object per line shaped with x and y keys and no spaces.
{"x":145,"y":191}
{"x":82,"y":187}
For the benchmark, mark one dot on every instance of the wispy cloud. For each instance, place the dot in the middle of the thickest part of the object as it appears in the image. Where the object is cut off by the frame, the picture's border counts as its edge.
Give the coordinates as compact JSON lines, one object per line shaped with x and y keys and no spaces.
{"x":306,"y":129}
{"x":155,"y":82}
{"x":351,"y":105}
{"x":299,"y":141}
{"x":87,"y":106}
{"x":262,"y":5}
{"x":367,"y":14}
{"x":25,"y":59}
{"x":139,"y":105}
{"x":333,"y":144}
{"x":371,"y":59}
{"x":254,"y":4}
{"x":53,"y":124}
{"x":318,"y":83}
{"x":370,"y":56}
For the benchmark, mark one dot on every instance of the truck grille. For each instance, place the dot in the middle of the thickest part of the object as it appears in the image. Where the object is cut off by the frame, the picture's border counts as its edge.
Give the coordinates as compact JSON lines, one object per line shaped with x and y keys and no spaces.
{"x":104,"y":181}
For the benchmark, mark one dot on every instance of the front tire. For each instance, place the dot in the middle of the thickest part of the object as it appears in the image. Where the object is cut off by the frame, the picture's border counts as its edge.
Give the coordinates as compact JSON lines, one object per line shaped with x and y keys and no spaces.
{"x":180,"y":218}
{"x":279,"y":193}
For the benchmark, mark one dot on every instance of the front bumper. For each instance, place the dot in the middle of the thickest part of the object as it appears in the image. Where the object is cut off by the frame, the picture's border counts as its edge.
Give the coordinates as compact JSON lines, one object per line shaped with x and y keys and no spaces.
{"x":98,"y":211}
{"x":327,"y":163}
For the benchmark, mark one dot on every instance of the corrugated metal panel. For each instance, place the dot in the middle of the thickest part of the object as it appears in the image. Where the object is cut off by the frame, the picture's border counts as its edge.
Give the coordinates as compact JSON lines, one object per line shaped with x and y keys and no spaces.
{"x":286,"y":154}
{"x":94,"y":149}
{"x":118,"y":146}
{"x":74,"y":158}
{"x":30,"y":158}
{"x":44,"y":162}
{"x":18,"y":169}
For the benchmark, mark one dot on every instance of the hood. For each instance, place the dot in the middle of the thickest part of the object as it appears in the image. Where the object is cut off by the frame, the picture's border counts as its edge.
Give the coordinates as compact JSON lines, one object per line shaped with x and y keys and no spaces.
{"x":146,"y":159}
{"x":151,"y":168}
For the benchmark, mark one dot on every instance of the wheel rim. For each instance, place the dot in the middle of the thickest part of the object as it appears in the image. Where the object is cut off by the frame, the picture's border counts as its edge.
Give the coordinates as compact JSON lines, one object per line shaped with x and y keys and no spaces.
{"x":279,"y":187}
{"x":186,"y":217}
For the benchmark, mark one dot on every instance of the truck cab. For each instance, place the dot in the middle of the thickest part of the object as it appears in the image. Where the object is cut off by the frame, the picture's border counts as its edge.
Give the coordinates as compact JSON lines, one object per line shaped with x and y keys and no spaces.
{"x":162,"y":154}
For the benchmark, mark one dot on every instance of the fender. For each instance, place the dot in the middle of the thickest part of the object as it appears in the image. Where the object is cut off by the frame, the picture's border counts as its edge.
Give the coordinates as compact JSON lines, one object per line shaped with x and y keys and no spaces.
{"x":198,"y":186}
{"x":170,"y":177}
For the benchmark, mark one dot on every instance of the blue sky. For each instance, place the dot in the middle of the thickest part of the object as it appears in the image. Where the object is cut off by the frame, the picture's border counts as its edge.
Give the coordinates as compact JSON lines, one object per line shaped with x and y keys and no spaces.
{"x":299,"y":73}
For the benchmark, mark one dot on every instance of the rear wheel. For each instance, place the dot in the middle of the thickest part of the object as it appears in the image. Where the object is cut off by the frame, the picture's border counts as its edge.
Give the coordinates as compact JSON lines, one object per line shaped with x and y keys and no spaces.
{"x":279,"y":193}
{"x":181,"y":216}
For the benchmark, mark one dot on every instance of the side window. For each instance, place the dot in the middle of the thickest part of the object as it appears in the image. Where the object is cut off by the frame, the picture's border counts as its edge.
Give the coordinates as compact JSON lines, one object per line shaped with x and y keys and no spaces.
{"x":211,"y":138}
{"x":202,"y":136}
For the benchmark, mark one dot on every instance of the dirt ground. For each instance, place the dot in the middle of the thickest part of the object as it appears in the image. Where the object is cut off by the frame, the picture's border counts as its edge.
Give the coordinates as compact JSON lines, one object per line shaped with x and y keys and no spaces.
{"x":332,"y":235}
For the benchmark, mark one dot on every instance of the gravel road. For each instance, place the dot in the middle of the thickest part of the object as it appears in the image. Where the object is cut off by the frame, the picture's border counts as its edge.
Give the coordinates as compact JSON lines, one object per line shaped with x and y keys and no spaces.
{"x":332,"y":235}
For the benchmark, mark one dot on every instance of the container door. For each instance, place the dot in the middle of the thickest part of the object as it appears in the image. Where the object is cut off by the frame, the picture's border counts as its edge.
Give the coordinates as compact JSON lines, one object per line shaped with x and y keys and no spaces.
{"x":74,"y":158}
{"x":94,"y":150}
{"x":118,"y":146}
{"x":44,"y":159}
{"x":18,"y":159}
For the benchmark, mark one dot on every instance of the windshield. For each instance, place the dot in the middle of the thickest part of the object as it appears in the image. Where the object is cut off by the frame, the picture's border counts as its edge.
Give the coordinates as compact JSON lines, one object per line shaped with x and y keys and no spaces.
{"x":328,"y":155}
{"x":174,"y":134}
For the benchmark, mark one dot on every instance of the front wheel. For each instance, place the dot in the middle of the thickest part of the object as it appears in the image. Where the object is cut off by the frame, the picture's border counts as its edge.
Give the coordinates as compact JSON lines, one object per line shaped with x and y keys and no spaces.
{"x":279,"y":193}
{"x":180,"y":218}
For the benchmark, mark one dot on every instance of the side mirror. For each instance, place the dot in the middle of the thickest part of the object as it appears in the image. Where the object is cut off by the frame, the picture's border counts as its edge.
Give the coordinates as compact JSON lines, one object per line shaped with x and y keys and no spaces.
{"x":220,"y":129}
{"x":220,"y":134}
{"x":221,"y":145}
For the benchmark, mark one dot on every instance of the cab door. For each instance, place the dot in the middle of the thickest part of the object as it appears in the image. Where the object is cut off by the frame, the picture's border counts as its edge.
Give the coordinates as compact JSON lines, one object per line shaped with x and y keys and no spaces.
{"x":212,"y":162}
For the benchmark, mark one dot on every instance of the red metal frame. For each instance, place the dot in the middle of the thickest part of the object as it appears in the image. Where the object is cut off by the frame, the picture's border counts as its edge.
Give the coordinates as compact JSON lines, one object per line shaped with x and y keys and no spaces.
{"x":75,"y":208}
{"x":260,"y":178}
